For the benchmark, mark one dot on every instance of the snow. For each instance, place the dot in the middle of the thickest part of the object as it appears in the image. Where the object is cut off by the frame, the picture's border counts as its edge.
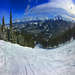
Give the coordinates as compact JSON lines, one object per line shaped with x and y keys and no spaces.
{"x":18,"y":60}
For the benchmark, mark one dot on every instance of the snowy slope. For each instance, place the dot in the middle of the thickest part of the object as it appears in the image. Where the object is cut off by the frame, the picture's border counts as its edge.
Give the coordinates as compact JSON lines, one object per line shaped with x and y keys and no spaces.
{"x":17,"y":60}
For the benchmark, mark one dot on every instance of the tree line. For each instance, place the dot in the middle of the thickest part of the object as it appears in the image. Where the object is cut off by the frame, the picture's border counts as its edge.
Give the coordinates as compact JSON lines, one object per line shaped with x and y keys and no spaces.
{"x":23,"y":38}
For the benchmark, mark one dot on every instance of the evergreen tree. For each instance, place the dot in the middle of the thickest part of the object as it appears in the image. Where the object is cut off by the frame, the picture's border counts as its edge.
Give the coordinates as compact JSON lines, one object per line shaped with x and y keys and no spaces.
{"x":8,"y":34}
{"x":11,"y":33}
{"x":10,"y":20}
{"x":3,"y":24}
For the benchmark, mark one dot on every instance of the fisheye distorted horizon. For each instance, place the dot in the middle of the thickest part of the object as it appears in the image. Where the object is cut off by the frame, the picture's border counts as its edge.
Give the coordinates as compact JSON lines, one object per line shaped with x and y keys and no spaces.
{"x":19,"y":7}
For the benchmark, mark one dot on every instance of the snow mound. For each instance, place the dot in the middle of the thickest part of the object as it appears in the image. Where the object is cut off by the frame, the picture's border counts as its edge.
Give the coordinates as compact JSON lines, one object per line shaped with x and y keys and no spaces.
{"x":18,"y":60}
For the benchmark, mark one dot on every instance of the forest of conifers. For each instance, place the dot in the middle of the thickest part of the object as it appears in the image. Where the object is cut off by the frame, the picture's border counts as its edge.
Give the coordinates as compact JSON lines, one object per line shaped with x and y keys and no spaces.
{"x":7,"y":33}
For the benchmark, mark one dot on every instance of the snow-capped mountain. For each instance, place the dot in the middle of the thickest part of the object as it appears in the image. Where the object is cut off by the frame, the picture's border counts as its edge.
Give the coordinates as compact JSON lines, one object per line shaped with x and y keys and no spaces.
{"x":52,"y":9}
{"x":50,"y":19}
{"x":44,"y":13}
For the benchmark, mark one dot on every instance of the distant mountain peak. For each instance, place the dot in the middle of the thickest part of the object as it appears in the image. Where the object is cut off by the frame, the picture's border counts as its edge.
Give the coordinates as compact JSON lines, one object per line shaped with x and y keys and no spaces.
{"x":47,"y":10}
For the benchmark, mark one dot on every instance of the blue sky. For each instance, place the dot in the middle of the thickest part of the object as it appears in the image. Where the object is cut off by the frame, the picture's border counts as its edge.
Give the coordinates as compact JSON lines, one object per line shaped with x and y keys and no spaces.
{"x":19,"y":7}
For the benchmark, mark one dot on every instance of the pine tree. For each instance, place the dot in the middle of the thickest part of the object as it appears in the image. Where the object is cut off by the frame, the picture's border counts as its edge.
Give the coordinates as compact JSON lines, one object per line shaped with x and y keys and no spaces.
{"x":8,"y":34}
{"x":11,"y":33}
{"x":3,"y":24}
{"x":10,"y":20}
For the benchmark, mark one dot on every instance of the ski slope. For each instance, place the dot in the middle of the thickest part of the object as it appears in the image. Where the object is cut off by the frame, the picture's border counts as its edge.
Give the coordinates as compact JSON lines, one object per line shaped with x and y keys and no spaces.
{"x":18,"y":60}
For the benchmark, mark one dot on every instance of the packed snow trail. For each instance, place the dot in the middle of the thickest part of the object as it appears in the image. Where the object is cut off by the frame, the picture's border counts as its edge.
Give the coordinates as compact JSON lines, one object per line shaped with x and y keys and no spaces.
{"x":18,"y":60}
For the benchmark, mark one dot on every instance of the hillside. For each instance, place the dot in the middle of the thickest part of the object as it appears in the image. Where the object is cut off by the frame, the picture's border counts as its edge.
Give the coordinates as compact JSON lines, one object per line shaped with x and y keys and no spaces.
{"x":18,"y":60}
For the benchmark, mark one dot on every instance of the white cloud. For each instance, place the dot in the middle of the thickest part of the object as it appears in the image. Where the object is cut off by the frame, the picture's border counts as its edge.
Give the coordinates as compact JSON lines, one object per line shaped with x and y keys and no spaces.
{"x":60,"y":7}
{"x":68,"y":5}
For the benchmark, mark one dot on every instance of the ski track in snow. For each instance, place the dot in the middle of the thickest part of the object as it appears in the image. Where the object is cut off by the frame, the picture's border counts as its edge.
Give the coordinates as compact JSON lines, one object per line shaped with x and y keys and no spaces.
{"x":18,"y":60}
